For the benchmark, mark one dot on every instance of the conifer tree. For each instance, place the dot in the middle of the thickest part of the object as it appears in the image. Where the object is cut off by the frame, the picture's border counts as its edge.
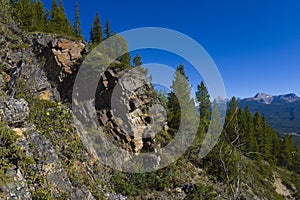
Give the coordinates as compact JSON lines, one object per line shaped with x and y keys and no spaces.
{"x":287,"y":149}
{"x":24,"y":14}
{"x":40,"y":18}
{"x":65,"y":25}
{"x":268,"y":141}
{"x":276,"y":147}
{"x":250,"y":141}
{"x":96,"y":31}
{"x":107,"y":29}
{"x":76,"y":27}
{"x":7,"y":10}
{"x":259,"y":131}
{"x":180,"y":89}
{"x":296,"y":160}
{"x":55,"y":20}
{"x":137,"y":60}
{"x":203,"y":98}
{"x":231,"y":121}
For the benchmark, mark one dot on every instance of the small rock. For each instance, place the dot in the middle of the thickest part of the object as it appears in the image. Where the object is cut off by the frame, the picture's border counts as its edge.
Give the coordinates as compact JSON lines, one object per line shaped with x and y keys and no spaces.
{"x":15,"y":111}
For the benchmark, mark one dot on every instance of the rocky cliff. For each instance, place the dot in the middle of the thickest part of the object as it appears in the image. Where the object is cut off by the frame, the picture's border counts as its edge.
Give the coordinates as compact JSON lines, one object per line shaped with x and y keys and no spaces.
{"x":37,"y":74}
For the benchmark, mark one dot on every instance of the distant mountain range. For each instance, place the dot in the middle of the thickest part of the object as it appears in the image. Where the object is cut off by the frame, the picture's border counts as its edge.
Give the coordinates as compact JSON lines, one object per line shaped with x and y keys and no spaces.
{"x":282,"y":111}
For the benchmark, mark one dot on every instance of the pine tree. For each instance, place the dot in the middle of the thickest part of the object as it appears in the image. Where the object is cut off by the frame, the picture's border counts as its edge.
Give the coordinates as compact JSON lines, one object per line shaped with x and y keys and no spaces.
{"x":276,"y":147}
{"x":7,"y":10}
{"x":55,"y":21}
{"x":137,"y":60}
{"x":24,"y":13}
{"x":179,"y":96}
{"x":65,"y":25}
{"x":96,"y":31}
{"x":203,"y":98}
{"x":259,"y":131}
{"x":107,"y":29}
{"x":251,"y":142}
{"x":231,"y":123}
{"x":40,"y":18}
{"x":296,"y":160}
{"x":76,"y":27}
{"x":268,"y":141}
{"x":287,"y":149}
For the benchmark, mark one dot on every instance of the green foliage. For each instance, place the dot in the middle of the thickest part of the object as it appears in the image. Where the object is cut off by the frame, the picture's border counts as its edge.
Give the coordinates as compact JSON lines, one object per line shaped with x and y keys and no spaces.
{"x":96,"y":31}
{"x":32,"y":17}
{"x":135,"y":184}
{"x":203,"y":98}
{"x":287,"y":151}
{"x":11,"y":155}
{"x":107,"y":30}
{"x":137,"y":60}
{"x":76,"y":27}
{"x":201,"y":191}
{"x":41,"y":194}
{"x":6,"y":8}
{"x":181,"y":107}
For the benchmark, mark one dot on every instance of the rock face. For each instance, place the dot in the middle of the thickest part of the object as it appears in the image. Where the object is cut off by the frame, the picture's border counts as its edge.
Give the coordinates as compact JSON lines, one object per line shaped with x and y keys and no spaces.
{"x":62,"y":59}
{"x":123,"y":102}
{"x":15,"y":111}
{"x":45,"y":66}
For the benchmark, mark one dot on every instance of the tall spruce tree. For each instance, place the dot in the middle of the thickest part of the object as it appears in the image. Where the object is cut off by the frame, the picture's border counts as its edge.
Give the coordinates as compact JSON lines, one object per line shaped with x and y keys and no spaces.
{"x":251,"y":142}
{"x":55,"y":19}
{"x":259,"y":131}
{"x":287,"y":149}
{"x":268,"y":153}
{"x":180,"y":94}
{"x":203,"y":98}
{"x":77,"y":27}
{"x":24,"y":13}
{"x":137,"y":60}
{"x":107,"y":29}
{"x":40,"y":18}
{"x":231,"y":123}
{"x":96,"y":31}
{"x":7,"y":10}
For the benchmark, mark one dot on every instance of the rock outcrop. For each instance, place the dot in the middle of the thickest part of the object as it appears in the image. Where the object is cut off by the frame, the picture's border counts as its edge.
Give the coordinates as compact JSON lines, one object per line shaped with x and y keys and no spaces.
{"x":45,"y":66}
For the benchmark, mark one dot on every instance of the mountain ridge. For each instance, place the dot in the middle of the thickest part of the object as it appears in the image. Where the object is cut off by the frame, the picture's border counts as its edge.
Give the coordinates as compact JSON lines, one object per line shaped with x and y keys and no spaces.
{"x":268,"y":99}
{"x":281,"y":111}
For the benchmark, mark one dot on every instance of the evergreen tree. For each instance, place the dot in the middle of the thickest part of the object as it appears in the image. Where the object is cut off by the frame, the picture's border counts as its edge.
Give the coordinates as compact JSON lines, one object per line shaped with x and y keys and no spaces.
{"x":40,"y":18}
{"x":55,"y":20}
{"x":259,"y":131}
{"x":59,"y":22}
{"x":7,"y":10}
{"x":76,"y":27}
{"x":96,"y":31}
{"x":251,"y":142}
{"x":276,"y":147}
{"x":65,"y":25}
{"x":24,"y":13}
{"x":231,"y":121}
{"x":203,"y":98}
{"x":107,"y":29}
{"x":180,"y":93}
{"x":296,"y":160}
{"x":268,"y":141}
{"x":287,"y":149}
{"x":137,"y":60}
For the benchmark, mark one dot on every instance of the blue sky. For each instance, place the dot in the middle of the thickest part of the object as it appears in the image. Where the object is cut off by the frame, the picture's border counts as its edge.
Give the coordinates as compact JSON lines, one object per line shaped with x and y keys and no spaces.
{"x":255,"y":43}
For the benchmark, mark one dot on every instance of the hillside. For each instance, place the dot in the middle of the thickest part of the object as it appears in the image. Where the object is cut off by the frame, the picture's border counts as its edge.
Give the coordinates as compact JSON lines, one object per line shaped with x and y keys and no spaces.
{"x":47,"y":151}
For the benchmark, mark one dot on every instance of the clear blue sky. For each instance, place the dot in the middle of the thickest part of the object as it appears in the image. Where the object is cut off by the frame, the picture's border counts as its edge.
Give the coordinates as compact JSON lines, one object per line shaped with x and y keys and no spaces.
{"x":255,"y":43}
